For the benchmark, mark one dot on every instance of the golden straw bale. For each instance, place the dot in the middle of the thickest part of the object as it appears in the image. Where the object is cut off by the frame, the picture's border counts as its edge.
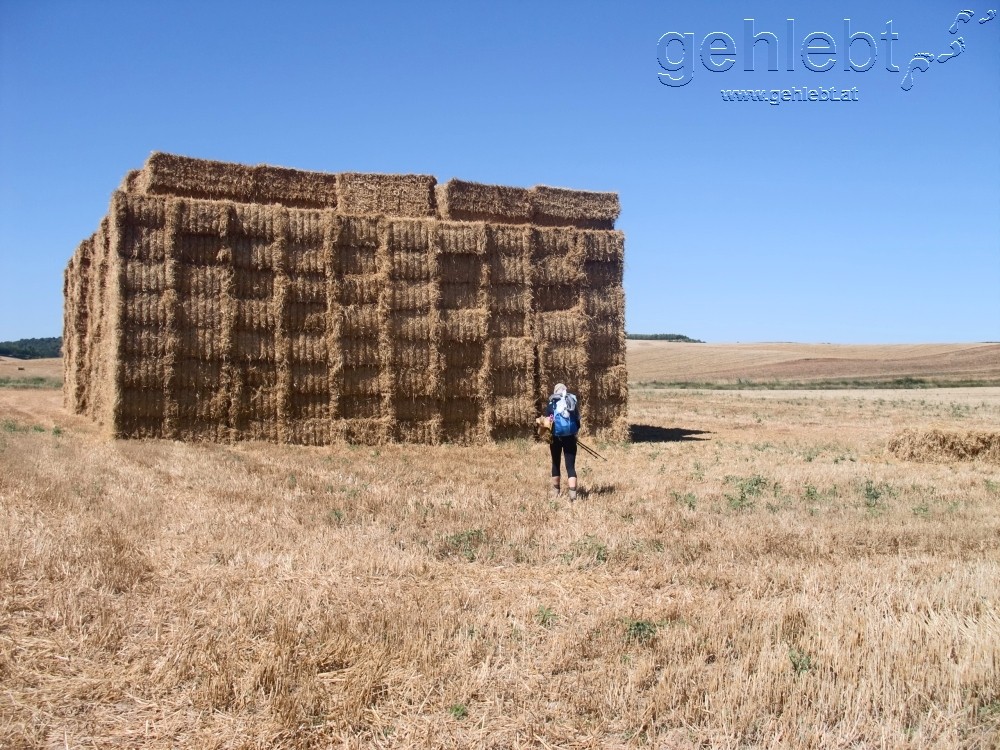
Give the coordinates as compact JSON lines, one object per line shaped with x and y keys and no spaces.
{"x":458,"y":200}
{"x":945,"y":446}
{"x":148,"y":211}
{"x":511,"y":381}
{"x":459,"y":295}
{"x":514,"y":410}
{"x":169,"y":174}
{"x":412,"y":326}
{"x":464,"y":325}
{"x":463,"y":354}
{"x":561,"y":326}
{"x":508,"y":324}
{"x":467,"y":238}
{"x":514,"y":353}
{"x":428,"y":431}
{"x":409,"y":235}
{"x":294,"y":187}
{"x":410,"y":297}
{"x":611,"y":383}
{"x":602,"y":246}
{"x":557,"y":297}
{"x":460,"y":269}
{"x":560,"y":207}
{"x":459,"y":381}
{"x":600,"y":275}
{"x":411,"y":382}
{"x":407,"y":195}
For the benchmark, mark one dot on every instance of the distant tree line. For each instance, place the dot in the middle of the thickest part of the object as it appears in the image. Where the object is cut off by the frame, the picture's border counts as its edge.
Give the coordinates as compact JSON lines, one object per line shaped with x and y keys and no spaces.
{"x":32,"y":348}
{"x":662,"y":337}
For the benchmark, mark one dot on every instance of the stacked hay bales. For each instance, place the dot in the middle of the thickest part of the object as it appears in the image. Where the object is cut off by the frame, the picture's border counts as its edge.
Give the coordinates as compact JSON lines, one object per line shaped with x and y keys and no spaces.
{"x":224,"y":302}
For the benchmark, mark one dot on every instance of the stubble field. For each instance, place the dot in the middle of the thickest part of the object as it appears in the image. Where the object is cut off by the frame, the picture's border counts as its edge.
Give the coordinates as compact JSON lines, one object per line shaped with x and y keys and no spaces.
{"x":755,"y":570}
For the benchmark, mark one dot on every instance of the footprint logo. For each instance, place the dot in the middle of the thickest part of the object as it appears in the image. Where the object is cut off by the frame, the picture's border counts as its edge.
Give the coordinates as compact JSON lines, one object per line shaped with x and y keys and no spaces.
{"x":957,"y":47}
{"x":922,"y":62}
{"x":964,"y":16}
{"x":990,"y":15}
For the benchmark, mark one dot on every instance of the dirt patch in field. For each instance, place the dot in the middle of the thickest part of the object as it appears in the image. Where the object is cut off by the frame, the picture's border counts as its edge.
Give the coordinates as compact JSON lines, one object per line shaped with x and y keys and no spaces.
{"x":941,"y":446}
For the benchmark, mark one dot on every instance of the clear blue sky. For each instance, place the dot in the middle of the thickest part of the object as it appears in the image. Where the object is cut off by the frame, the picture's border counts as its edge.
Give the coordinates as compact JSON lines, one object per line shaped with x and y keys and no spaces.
{"x":875,"y":220}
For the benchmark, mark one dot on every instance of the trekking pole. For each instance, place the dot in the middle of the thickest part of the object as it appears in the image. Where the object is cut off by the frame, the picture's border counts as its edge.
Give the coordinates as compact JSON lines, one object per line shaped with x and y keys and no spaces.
{"x":589,"y":450}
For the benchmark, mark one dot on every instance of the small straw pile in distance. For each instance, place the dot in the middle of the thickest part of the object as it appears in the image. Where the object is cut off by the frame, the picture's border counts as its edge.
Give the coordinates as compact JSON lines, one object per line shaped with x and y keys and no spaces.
{"x":226,"y":302}
{"x":945,"y":446}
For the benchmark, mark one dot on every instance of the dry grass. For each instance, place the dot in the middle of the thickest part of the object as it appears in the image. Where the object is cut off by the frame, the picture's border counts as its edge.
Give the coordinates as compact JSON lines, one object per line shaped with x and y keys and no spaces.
{"x":677,"y":362}
{"x":756,"y":570}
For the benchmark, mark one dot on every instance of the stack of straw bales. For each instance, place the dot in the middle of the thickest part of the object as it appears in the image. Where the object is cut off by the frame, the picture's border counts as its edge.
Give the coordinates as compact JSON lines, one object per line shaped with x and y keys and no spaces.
{"x":225,"y":302}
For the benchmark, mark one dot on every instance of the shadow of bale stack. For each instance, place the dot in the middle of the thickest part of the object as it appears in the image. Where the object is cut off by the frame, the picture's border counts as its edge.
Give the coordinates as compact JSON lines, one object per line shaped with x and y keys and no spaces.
{"x":226,"y":302}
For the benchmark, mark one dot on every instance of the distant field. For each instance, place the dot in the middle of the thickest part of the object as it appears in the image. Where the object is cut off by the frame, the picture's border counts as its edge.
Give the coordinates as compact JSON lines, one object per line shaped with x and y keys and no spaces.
{"x":30,"y":373}
{"x":670,"y":363}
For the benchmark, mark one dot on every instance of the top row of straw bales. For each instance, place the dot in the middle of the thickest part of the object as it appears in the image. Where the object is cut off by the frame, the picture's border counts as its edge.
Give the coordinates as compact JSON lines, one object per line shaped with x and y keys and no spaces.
{"x":352,"y":193}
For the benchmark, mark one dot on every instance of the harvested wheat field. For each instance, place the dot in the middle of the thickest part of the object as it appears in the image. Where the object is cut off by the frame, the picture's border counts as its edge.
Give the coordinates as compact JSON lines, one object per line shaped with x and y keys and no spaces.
{"x":671,"y":362}
{"x":755,"y":570}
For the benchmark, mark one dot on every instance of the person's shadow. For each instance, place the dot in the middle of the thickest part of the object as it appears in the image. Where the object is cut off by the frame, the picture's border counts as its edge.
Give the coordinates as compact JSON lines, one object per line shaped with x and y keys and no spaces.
{"x":647,"y":433}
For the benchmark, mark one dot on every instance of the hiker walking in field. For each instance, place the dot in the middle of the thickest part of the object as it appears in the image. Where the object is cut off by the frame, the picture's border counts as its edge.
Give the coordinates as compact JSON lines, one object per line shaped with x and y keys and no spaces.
{"x":563,"y":418}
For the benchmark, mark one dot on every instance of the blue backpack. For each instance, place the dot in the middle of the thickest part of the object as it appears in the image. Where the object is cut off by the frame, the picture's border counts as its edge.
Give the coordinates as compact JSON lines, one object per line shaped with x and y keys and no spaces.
{"x":568,"y":425}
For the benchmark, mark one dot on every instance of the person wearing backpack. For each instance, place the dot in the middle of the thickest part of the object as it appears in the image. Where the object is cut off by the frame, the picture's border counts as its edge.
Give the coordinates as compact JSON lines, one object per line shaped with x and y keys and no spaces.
{"x":564,"y":418}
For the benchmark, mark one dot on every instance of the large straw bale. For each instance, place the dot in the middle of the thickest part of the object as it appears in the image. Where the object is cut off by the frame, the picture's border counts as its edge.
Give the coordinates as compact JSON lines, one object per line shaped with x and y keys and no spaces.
{"x":311,"y":377}
{"x":459,"y":295}
{"x":609,"y":303}
{"x":429,"y":431}
{"x":579,"y":208}
{"x":601,"y":275}
{"x":464,"y":325}
{"x":410,"y":266}
{"x":412,"y":382}
{"x":513,"y":410}
{"x":416,"y":296}
{"x":294,"y":187}
{"x":468,"y":238}
{"x":308,"y":260}
{"x":458,"y":200}
{"x":512,"y":381}
{"x":362,"y":290}
{"x":413,"y":326}
{"x":457,"y":410}
{"x":611,"y":384}
{"x":602,"y":246}
{"x":306,"y":347}
{"x":411,"y":354}
{"x":168,"y":174}
{"x":513,"y":353}
{"x":408,"y":195}
{"x":459,"y":381}
{"x":567,"y":326}
{"x":463,"y":354}
{"x":358,"y":232}
{"x":508,"y":324}
{"x":556,"y":297}
{"x":460,"y":269}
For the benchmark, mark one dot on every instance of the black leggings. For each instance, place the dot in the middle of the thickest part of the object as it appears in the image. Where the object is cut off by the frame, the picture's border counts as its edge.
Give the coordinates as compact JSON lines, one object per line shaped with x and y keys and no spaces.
{"x":565,"y":445}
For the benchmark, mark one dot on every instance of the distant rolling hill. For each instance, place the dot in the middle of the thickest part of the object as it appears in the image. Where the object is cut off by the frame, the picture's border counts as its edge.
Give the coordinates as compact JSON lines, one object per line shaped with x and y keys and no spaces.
{"x":670,"y":363}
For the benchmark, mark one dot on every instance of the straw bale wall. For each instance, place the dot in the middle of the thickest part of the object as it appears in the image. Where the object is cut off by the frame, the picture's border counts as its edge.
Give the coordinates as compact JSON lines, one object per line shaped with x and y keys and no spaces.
{"x":224,"y":302}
